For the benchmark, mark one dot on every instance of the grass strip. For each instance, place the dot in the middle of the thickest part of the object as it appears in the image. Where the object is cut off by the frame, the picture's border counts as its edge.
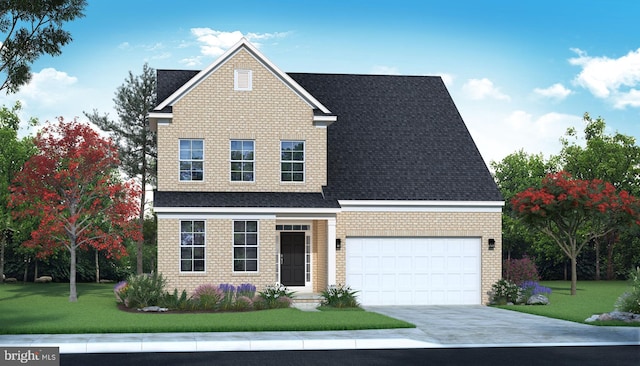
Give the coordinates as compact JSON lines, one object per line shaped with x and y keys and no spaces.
{"x":45,"y":309}
{"x":593,"y":297}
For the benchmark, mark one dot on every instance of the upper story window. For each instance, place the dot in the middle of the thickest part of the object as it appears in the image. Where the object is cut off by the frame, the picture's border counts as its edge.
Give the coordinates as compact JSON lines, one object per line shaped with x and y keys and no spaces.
{"x":191,"y":160}
{"x":292,"y":161}
{"x":242,"y":161}
{"x":192,"y":245}
{"x":242,"y":80}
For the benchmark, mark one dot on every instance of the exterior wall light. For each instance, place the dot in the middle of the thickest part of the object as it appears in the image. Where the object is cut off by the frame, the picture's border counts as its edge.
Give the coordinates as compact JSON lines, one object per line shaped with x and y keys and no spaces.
{"x":492,"y":244}
{"x":338,"y":244}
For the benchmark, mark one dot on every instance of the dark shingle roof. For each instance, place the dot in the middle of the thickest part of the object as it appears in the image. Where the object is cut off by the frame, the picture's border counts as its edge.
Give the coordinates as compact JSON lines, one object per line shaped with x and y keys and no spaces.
{"x":241,"y":199}
{"x":168,"y":81}
{"x":398,"y":138}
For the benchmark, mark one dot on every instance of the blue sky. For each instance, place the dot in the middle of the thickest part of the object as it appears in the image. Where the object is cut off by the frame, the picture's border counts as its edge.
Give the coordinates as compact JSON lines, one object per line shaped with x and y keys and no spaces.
{"x":520,"y":73}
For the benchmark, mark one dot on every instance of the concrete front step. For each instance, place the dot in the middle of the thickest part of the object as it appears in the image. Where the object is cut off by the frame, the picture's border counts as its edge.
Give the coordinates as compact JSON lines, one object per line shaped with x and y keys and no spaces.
{"x":307,"y":301}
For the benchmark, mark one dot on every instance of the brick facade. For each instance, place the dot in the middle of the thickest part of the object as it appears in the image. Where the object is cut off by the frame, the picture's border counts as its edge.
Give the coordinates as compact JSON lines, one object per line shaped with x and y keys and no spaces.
{"x":215,"y":112}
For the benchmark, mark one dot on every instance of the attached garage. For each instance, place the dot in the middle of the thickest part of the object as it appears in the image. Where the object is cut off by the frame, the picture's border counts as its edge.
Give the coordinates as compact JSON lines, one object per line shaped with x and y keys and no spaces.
{"x":414,"y":271}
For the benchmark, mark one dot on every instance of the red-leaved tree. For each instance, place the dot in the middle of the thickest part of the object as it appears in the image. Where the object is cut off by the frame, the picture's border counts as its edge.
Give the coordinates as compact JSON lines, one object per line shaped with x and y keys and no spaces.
{"x":72,"y":186}
{"x":573,"y":212}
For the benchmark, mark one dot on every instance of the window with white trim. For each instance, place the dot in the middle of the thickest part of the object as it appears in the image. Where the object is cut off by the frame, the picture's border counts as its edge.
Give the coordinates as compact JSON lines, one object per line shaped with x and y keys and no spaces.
{"x":245,"y":246}
{"x":192,"y":246}
{"x":242,"y":80}
{"x":242,"y":161}
{"x":292,"y":161}
{"x":191,"y":160}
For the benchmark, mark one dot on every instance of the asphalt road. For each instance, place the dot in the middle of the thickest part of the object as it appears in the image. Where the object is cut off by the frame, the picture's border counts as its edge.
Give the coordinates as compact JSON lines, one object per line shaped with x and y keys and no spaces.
{"x":522,"y":356}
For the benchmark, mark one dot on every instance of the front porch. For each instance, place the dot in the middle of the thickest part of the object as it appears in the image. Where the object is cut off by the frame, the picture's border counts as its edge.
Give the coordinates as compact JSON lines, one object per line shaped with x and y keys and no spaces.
{"x":305,"y":258}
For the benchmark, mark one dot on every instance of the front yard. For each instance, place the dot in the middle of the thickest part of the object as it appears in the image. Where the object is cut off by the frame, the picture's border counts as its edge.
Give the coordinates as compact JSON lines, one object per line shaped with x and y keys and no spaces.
{"x":593,"y":297}
{"x":45,"y":309}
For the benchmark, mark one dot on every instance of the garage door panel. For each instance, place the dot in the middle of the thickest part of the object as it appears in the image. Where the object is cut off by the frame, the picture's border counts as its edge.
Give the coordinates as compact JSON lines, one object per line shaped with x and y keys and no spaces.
{"x":413,"y":271}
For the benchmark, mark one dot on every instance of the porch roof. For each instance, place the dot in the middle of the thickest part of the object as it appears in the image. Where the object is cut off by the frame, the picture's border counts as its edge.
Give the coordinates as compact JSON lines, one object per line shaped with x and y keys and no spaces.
{"x":242,"y":199}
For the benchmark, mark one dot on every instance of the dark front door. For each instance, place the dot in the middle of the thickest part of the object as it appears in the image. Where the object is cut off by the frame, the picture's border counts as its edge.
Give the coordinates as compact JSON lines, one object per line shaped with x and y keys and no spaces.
{"x":292,"y":259}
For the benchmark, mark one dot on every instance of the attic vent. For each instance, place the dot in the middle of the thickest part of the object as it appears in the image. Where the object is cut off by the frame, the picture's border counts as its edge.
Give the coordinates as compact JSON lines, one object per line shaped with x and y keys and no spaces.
{"x":242,"y":80}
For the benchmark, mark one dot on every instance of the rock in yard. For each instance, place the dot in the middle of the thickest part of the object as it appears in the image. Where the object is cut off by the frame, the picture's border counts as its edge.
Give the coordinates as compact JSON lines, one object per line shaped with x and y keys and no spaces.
{"x":154,"y":309}
{"x":538,"y":299}
{"x":44,"y":279}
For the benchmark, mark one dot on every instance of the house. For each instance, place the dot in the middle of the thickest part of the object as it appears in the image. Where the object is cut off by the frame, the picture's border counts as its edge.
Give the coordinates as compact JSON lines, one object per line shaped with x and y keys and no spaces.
{"x":311,"y":180}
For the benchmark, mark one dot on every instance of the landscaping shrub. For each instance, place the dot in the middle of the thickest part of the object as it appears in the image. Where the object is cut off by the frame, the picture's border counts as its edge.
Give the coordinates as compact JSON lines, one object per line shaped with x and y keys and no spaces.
{"x":276,"y":296}
{"x":243,"y":303}
{"x":520,"y":270}
{"x":228,"y":296}
{"x":630,"y":300}
{"x":340,"y":296}
{"x":207,"y":297}
{"x":141,"y":290}
{"x":530,"y":288}
{"x":503,"y":292}
{"x":175,"y":302}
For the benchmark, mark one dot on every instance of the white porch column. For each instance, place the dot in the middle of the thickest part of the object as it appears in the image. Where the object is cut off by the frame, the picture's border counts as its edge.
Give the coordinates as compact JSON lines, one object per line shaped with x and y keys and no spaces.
{"x":331,"y":251}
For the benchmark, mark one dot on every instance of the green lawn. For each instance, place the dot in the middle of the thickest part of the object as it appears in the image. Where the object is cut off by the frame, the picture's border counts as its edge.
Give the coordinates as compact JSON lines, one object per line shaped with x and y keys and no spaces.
{"x":593,"y":297}
{"x":45,"y":309}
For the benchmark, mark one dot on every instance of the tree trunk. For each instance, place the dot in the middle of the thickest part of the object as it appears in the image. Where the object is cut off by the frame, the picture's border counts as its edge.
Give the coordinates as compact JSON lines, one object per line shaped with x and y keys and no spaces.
{"x":26,"y":269}
{"x":97,"y":268}
{"x":597,"y":247}
{"x":611,"y":242}
{"x":73,"y":295}
{"x":3,"y":240}
{"x":574,"y":275}
{"x":35,"y":271}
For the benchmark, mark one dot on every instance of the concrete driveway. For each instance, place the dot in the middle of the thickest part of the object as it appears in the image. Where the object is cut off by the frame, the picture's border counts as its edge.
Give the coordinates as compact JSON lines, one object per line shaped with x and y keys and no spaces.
{"x":483,"y":325}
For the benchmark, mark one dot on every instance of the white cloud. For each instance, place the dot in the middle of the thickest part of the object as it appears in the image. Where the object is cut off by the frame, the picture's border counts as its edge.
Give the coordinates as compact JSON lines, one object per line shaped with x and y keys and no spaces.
{"x":385,"y":70}
{"x":447,"y":79}
{"x":124,"y":46}
{"x":191,"y":61}
{"x":52,"y":93}
{"x":214,"y":43}
{"x":478,"y":89}
{"x":49,"y":86}
{"x":607,"y":78}
{"x":555,"y":91}
{"x":499,"y":133}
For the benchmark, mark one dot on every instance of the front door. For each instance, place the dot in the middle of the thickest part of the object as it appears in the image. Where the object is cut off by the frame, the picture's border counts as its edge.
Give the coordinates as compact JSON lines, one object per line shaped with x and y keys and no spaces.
{"x":292,"y":259}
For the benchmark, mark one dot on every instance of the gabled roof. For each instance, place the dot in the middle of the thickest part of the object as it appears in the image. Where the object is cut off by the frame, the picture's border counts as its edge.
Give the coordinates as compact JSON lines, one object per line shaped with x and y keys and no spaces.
{"x":166,"y":102}
{"x":398,"y":138}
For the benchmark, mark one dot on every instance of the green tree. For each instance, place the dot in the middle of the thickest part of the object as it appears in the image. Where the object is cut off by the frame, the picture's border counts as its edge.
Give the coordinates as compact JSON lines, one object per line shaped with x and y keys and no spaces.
{"x":32,"y":29}
{"x":515,"y":173}
{"x":613,"y":158}
{"x":136,"y":142}
{"x":14,"y":152}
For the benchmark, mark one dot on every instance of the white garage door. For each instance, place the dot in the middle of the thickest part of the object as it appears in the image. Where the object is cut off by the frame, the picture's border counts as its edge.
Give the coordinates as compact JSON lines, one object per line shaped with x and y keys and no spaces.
{"x":414,"y":271}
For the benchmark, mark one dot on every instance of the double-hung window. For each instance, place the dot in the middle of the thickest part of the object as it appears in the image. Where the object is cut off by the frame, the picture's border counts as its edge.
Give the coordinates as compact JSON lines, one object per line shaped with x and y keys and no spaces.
{"x":292,"y":161}
{"x":245,"y":246}
{"x":242,"y":161}
{"x":191,"y":160}
{"x":192,"y":245}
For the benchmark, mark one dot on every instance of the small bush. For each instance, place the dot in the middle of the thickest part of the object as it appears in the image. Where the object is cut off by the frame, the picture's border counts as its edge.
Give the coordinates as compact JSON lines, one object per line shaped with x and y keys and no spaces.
{"x":207,"y":297}
{"x":520,"y":270}
{"x":530,"y":288}
{"x":630,"y":300}
{"x":177,"y":302}
{"x":247,"y":290}
{"x":243,"y":303}
{"x":120,"y":290}
{"x":273,"y":293}
{"x":340,"y":296}
{"x":503,"y":292}
{"x":229,"y":296}
{"x":142,"y":290}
